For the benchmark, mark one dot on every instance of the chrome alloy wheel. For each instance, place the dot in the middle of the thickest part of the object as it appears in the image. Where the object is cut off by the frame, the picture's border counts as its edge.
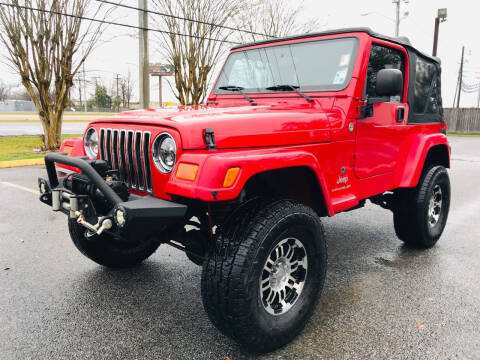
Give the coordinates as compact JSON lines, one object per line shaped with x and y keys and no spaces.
{"x":435,"y":206}
{"x":283,"y":276}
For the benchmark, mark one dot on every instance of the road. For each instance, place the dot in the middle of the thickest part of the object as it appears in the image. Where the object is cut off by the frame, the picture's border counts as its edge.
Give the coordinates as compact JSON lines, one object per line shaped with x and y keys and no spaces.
{"x":29,"y":123}
{"x":35,"y":128}
{"x":381,"y":299}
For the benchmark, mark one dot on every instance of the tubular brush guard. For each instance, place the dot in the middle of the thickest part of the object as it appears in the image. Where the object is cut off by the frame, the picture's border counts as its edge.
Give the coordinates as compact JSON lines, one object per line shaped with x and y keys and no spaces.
{"x":140,"y":215}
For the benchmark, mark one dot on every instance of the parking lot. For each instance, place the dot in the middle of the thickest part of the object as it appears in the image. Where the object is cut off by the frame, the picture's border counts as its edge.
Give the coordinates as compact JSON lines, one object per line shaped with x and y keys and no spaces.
{"x":381,"y":299}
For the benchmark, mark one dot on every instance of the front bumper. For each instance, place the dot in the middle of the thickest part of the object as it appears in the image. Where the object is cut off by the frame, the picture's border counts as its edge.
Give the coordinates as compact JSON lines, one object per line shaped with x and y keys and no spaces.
{"x":91,"y":200}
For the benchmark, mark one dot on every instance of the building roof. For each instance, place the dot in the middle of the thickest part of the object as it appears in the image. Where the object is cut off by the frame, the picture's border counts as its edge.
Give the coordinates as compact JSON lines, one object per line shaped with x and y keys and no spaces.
{"x":404,"y":41}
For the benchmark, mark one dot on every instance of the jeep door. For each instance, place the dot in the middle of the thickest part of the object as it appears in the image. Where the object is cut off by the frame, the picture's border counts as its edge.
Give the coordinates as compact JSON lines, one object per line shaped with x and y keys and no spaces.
{"x":379,"y":134}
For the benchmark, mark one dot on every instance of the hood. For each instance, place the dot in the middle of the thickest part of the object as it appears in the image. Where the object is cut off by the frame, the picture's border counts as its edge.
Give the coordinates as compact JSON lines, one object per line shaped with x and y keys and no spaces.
{"x":237,"y":127}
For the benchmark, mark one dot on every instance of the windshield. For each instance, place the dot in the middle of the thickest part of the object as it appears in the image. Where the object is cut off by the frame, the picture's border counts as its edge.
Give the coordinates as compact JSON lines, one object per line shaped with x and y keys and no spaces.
{"x":320,"y":65}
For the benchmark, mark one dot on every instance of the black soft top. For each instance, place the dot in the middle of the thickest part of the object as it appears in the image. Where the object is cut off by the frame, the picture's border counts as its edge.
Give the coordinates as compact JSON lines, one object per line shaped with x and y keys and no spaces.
{"x":398,"y":40}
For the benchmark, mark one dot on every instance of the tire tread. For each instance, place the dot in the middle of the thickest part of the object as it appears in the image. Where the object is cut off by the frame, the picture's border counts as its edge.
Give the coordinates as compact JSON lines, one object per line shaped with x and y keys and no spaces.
{"x":237,"y":242}
{"x":408,"y":215}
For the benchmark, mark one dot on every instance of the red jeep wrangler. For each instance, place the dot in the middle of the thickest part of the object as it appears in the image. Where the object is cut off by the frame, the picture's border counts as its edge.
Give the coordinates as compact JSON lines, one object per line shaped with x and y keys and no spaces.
{"x":293,"y":130}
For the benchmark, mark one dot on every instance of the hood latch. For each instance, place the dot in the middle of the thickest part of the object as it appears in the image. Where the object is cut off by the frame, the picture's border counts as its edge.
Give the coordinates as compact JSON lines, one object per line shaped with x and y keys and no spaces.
{"x":209,"y":137}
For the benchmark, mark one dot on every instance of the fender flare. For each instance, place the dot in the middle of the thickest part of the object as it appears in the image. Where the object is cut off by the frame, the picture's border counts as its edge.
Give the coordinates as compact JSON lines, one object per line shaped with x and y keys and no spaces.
{"x":411,"y":166}
{"x":213,"y":166}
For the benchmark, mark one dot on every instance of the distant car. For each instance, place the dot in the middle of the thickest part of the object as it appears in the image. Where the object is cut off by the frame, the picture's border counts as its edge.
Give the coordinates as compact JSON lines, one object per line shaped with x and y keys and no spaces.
{"x":294,"y":129}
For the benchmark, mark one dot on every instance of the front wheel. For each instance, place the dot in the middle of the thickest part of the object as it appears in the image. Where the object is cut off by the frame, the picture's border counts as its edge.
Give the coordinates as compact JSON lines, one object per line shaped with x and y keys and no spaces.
{"x":421,"y":213}
{"x":108,"y":251}
{"x":261,"y":282}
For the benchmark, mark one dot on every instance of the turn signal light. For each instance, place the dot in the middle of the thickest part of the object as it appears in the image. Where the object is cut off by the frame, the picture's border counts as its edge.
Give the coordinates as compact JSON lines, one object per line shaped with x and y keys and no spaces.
{"x":187,"y":171}
{"x":231,"y":176}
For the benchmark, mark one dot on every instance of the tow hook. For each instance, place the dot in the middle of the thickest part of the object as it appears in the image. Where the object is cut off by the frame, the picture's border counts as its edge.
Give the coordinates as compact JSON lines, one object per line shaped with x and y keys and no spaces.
{"x":104,"y":223}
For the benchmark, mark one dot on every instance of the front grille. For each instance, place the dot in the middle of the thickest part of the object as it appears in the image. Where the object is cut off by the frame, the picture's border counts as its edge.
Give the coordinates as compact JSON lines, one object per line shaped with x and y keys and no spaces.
{"x":128,"y":152}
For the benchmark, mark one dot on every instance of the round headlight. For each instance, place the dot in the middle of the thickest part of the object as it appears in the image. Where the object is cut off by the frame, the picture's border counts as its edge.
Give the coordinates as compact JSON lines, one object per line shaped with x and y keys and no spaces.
{"x":164,"y":152}
{"x":91,"y":143}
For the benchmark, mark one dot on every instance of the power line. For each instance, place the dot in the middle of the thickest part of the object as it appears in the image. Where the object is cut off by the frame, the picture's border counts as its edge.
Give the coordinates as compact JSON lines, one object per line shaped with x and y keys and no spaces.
{"x":185,"y":19}
{"x":115,"y":23}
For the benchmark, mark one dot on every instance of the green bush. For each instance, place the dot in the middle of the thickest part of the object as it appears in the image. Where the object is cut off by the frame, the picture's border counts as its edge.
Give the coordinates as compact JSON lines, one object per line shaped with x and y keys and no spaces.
{"x":101,"y":100}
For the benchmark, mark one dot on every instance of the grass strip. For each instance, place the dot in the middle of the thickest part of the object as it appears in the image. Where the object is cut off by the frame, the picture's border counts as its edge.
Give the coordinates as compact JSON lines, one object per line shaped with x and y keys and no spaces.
{"x":463,"y":135}
{"x":23,"y":147}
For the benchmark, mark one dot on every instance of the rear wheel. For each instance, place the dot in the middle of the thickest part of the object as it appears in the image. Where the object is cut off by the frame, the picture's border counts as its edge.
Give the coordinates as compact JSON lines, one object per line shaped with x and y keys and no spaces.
{"x":108,"y":251}
{"x":261,"y":282}
{"x":421,"y":213}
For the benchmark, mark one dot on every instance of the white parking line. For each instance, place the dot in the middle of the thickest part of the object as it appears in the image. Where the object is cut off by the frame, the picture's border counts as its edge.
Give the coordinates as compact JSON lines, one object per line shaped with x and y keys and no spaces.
{"x":20,"y":187}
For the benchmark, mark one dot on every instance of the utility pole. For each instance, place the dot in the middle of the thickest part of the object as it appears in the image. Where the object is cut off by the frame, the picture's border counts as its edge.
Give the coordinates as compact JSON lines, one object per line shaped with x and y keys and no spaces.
{"x":478,"y":98}
{"x":144,"y":80}
{"x":128,"y":90}
{"x":460,"y":78}
{"x":95,"y":78}
{"x":441,"y":17}
{"x":397,"y":17}
{"x":117,"y":97}
{"x":160,"y":91}
{"x":80,"y":91}
{"x":84,"y":88}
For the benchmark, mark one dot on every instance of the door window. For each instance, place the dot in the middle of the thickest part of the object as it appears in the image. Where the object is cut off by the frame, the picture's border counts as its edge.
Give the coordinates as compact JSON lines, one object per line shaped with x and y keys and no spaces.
{"x":382,"y":57}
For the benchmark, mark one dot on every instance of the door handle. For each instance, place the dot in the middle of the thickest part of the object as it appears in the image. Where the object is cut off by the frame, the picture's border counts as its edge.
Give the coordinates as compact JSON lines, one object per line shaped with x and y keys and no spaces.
{"x":400,"y":114}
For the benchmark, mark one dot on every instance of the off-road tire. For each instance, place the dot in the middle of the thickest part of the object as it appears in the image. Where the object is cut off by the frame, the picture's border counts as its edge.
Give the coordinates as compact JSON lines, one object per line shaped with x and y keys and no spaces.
{"x":411,"y":212}
{"x":108,"y":251}
{"x":230,"y":280}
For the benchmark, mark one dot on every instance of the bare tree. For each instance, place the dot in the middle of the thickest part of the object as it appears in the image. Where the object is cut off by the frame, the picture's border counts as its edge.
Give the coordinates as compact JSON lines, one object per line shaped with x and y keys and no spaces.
{"x":20,"y":95}
{"x":43,"y":39}
{"x":126,"y":90}
{"x":4,"y":91}
{"x":193,"y":56}
{"x":276,"y":18}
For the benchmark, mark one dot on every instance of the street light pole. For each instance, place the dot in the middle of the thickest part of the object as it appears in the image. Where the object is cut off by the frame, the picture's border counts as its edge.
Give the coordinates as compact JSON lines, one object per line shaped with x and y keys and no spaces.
{"x":441,"y":17}
{"x":435,"y":36}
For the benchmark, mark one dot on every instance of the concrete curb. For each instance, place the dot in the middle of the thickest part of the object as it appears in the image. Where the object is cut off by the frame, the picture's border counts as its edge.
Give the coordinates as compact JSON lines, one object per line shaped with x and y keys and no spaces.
{"x":17,"y":163}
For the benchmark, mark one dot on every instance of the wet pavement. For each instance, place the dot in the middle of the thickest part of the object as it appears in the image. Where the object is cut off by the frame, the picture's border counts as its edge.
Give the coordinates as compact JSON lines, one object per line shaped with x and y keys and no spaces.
{"x":381,"y":299}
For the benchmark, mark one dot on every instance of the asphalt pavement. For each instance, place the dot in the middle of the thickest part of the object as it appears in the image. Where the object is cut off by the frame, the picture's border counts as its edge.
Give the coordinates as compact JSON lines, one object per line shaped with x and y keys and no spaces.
{"x":381,"y":299}
{"x":35,"y":128}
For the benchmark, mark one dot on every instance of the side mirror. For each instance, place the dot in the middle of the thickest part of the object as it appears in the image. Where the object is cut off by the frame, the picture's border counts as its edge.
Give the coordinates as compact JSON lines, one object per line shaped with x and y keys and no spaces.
{"x":389,"y":82}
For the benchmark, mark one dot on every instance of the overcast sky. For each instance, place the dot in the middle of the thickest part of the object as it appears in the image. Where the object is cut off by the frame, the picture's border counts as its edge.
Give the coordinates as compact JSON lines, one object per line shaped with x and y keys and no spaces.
{"x":120,"y":54}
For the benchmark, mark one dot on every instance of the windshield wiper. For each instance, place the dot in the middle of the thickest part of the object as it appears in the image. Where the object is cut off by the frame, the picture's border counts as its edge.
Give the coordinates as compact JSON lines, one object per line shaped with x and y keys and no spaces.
{"x":240,"y":90}
{"x":290,"y":87}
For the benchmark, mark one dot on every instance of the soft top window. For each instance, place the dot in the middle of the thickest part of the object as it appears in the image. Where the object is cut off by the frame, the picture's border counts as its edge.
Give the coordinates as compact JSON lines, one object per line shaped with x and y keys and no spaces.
{"x":424,"y":90}
{"x":426,"y":99}
{"x":319,"y":65}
